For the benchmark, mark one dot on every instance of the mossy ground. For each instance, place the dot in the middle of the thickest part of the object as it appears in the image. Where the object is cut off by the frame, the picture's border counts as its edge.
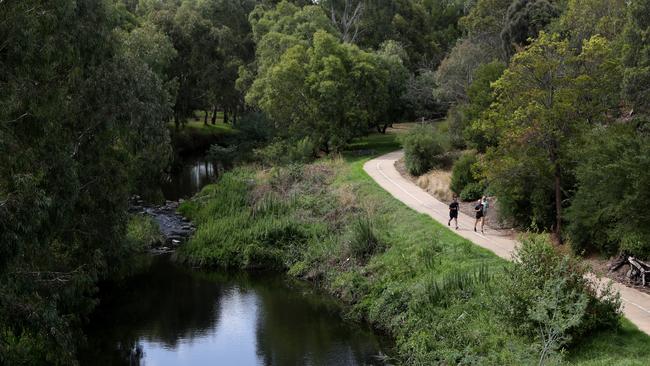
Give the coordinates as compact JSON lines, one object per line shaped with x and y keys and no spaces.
{"x":433,"y":291}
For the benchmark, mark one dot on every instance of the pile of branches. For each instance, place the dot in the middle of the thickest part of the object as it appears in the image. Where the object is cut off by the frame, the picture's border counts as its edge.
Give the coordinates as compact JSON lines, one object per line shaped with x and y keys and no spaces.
{"x":639,"y":271}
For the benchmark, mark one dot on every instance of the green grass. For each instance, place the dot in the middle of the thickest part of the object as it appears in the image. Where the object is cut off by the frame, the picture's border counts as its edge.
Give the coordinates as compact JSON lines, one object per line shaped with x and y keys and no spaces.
{"x":217,"y":128}
{"x":432,"y":290}
{"x":143,"y":232}
{"x":195,"y":126}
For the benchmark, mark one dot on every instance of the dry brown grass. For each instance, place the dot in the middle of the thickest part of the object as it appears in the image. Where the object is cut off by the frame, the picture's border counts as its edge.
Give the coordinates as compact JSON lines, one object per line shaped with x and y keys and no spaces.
{"x":437,"y":182}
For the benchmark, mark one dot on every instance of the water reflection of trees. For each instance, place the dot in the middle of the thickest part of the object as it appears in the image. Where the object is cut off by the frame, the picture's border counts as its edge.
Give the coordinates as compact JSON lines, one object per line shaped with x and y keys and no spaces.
{"x":168,"y":303}
{"x":165,"y":304}
{"x":291,"y":333}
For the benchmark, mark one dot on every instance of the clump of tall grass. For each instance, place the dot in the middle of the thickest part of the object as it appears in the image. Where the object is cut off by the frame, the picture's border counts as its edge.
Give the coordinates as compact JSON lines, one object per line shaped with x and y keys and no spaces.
{"x":460,"y":283}
{"x":365,"y":240}
{"x":143,"y":232}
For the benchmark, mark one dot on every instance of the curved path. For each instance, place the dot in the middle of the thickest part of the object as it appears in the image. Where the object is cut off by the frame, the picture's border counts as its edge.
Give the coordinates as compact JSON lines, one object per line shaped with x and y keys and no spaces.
{"x":636,"y":305}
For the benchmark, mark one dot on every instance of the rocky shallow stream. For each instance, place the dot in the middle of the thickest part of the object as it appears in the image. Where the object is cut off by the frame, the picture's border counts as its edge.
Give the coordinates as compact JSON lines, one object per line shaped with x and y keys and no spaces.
{"x":174,"y":227}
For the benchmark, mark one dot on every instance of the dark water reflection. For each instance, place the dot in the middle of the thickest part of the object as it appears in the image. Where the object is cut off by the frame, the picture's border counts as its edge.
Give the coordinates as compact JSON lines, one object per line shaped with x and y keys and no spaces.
{"x":188,"y":177}
{"x":176,"y":316}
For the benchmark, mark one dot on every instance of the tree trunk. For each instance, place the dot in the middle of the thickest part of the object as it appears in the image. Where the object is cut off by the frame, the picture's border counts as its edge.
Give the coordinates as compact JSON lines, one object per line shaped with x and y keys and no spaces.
{"x":214,"y":114}
{"x":558,"y":204}
{"x":234,"y":116}
{"x":176,"y":122}
{"x":225,"y":115}
{"x":205,"y":118}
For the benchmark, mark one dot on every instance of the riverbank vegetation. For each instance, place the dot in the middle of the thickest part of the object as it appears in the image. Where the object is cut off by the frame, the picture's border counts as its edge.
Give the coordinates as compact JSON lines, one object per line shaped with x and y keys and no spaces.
{"x":443,"y":299}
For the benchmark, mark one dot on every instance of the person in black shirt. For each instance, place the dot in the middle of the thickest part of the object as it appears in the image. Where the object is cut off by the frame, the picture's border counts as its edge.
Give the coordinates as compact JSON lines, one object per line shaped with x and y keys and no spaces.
{"x":453,"y":212}
{"x":479,"y":214}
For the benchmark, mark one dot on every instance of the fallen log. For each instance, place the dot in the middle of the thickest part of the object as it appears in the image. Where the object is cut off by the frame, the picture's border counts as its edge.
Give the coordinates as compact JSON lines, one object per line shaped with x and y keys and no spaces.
{"x":638,"y":270}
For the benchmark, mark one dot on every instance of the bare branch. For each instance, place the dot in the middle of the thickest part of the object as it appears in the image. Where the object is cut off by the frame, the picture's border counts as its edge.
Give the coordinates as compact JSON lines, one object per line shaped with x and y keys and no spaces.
{"x":348,"y":21}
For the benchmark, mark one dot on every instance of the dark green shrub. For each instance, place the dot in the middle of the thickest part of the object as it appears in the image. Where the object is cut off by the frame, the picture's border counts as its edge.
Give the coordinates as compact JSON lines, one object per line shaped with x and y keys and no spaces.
{"x":547,"y":296}
{"x":609,"y":211}
{"x":461,"y":174}
{"x":472,"y":191}
{"x":423,"y":148}
{"x":282,"y":152}
{"x":301,"y":151}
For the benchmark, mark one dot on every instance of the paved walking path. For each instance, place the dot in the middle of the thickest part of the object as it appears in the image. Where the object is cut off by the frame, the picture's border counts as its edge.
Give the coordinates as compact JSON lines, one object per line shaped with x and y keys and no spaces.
{"x":636,"y":305}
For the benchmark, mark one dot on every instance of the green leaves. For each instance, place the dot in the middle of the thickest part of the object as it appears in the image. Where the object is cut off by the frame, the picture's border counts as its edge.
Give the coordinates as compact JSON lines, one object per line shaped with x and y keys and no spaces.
{"x":636,"y":57}
{"x":315,"y":86}
{"x":545,"y":101}
{"x":547,"y":296}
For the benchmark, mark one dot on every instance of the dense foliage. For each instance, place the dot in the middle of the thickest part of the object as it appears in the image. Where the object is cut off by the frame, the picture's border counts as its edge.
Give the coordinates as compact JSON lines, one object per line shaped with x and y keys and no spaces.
{"x":82,"y":124}
{"x":423,"y":146}
{"x":462,"y":173}
{"x":553,"y":96}
{"x":563,"y":125}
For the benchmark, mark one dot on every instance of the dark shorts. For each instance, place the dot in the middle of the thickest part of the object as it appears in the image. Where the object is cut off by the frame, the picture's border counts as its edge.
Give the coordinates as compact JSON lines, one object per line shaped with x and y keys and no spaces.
{"x":453,"y":214}
{"x":479,"y":215}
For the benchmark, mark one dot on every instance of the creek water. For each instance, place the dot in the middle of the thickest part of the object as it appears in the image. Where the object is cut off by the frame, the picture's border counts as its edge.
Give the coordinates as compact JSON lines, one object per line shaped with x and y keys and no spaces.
{"x":173,"y":315}
{"x":168,"y":314}
{"x":188,"y":177}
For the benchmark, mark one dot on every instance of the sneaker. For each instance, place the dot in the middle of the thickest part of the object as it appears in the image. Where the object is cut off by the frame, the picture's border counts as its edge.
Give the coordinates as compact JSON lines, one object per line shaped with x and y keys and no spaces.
{"x":456,"y":227}
{"x":448,"y":223}
{"x":474,"y":229}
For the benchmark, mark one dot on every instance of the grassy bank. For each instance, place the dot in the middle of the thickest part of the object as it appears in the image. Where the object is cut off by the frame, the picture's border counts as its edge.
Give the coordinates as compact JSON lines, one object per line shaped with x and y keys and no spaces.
{"x":330,"y":223}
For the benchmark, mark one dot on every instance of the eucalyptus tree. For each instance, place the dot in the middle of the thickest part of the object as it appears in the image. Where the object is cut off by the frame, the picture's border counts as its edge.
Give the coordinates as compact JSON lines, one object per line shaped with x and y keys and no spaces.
{"x":608,"y":211}
{"x":78,"y":115}
{"x":541,"y":112}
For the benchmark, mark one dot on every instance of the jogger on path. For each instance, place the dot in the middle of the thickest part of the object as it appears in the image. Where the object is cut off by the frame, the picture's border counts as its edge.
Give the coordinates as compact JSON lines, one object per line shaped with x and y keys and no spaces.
{"x":453,"y":212}
{"x":478,"y":209}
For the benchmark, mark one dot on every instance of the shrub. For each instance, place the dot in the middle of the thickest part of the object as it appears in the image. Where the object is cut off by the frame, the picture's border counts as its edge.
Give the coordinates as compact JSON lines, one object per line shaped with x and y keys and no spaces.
{"x":301,"y":151}
{"x":461,"y":174}
{"x":472,"y":192}
{"x":546,"y":295}
{"x":422,"y":149}
{"x":282,"y":152}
